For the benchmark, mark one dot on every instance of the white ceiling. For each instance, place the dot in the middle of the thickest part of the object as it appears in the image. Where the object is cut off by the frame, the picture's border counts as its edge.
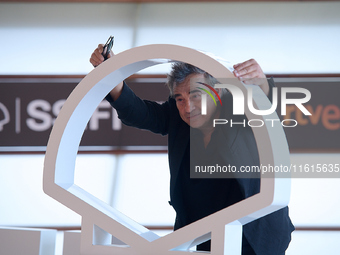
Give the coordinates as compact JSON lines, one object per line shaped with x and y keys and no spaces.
{"x":58,"y":38}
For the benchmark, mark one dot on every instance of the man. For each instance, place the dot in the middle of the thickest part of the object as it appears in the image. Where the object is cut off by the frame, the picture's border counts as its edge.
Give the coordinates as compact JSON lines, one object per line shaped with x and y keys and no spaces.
{"x":192,"y":137}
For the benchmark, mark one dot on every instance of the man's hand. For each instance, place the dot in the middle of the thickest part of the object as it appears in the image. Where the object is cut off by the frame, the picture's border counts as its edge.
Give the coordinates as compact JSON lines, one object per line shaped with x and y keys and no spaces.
{"x":97,"y":57}
{"x":250,"y":72}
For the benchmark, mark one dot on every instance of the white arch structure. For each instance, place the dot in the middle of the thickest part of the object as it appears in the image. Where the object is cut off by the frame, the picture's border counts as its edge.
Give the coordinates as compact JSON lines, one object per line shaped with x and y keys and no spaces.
{"x":99,"y":219}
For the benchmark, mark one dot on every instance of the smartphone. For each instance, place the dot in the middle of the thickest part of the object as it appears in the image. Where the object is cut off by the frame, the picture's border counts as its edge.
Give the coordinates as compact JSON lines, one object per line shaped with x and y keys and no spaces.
{"x":107,"y":47}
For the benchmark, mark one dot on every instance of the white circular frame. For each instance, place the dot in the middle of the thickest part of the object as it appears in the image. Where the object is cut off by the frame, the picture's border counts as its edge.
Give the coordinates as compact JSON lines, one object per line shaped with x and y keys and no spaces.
{"x":62,"y":148}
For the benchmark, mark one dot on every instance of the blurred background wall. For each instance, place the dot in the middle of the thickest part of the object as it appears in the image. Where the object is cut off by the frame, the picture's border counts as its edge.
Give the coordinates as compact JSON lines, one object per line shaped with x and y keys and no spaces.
{"x":58,"y":38}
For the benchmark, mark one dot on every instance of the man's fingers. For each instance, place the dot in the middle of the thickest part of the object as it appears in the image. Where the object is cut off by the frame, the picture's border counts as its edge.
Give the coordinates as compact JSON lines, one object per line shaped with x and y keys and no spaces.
{"x":245,"y":70}
{"x":250,"y":72}
{"x":100,"y":48}
{"x":248,"y":69}
{"x":97,"y":57}
{"x":244,"y":64}
{"x":98,"y":54}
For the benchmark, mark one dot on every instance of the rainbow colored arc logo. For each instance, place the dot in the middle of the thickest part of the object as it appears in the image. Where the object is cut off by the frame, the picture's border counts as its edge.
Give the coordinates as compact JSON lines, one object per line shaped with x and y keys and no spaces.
{"x":209,"y":93}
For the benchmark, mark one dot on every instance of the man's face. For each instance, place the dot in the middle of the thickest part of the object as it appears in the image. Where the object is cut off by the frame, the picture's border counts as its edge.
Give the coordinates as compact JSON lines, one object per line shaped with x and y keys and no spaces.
{"x":188,"y":101}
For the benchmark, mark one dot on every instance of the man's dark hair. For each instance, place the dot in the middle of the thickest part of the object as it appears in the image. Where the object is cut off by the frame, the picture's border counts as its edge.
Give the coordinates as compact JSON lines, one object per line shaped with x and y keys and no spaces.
{"x":181,"y":70}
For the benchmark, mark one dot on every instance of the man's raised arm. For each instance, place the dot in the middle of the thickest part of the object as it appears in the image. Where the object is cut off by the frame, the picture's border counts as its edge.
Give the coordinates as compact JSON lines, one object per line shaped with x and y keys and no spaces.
{"x":96,"y":59}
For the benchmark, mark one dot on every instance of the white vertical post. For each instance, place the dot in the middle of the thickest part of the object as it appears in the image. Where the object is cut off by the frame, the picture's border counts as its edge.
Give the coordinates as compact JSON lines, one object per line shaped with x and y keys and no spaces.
{"x":228,"y":240}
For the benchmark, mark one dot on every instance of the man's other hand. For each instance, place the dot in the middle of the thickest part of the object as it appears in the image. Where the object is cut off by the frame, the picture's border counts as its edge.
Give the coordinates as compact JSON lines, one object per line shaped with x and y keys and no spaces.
{"x":250,"y":72}
{"x":97,"y":57}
